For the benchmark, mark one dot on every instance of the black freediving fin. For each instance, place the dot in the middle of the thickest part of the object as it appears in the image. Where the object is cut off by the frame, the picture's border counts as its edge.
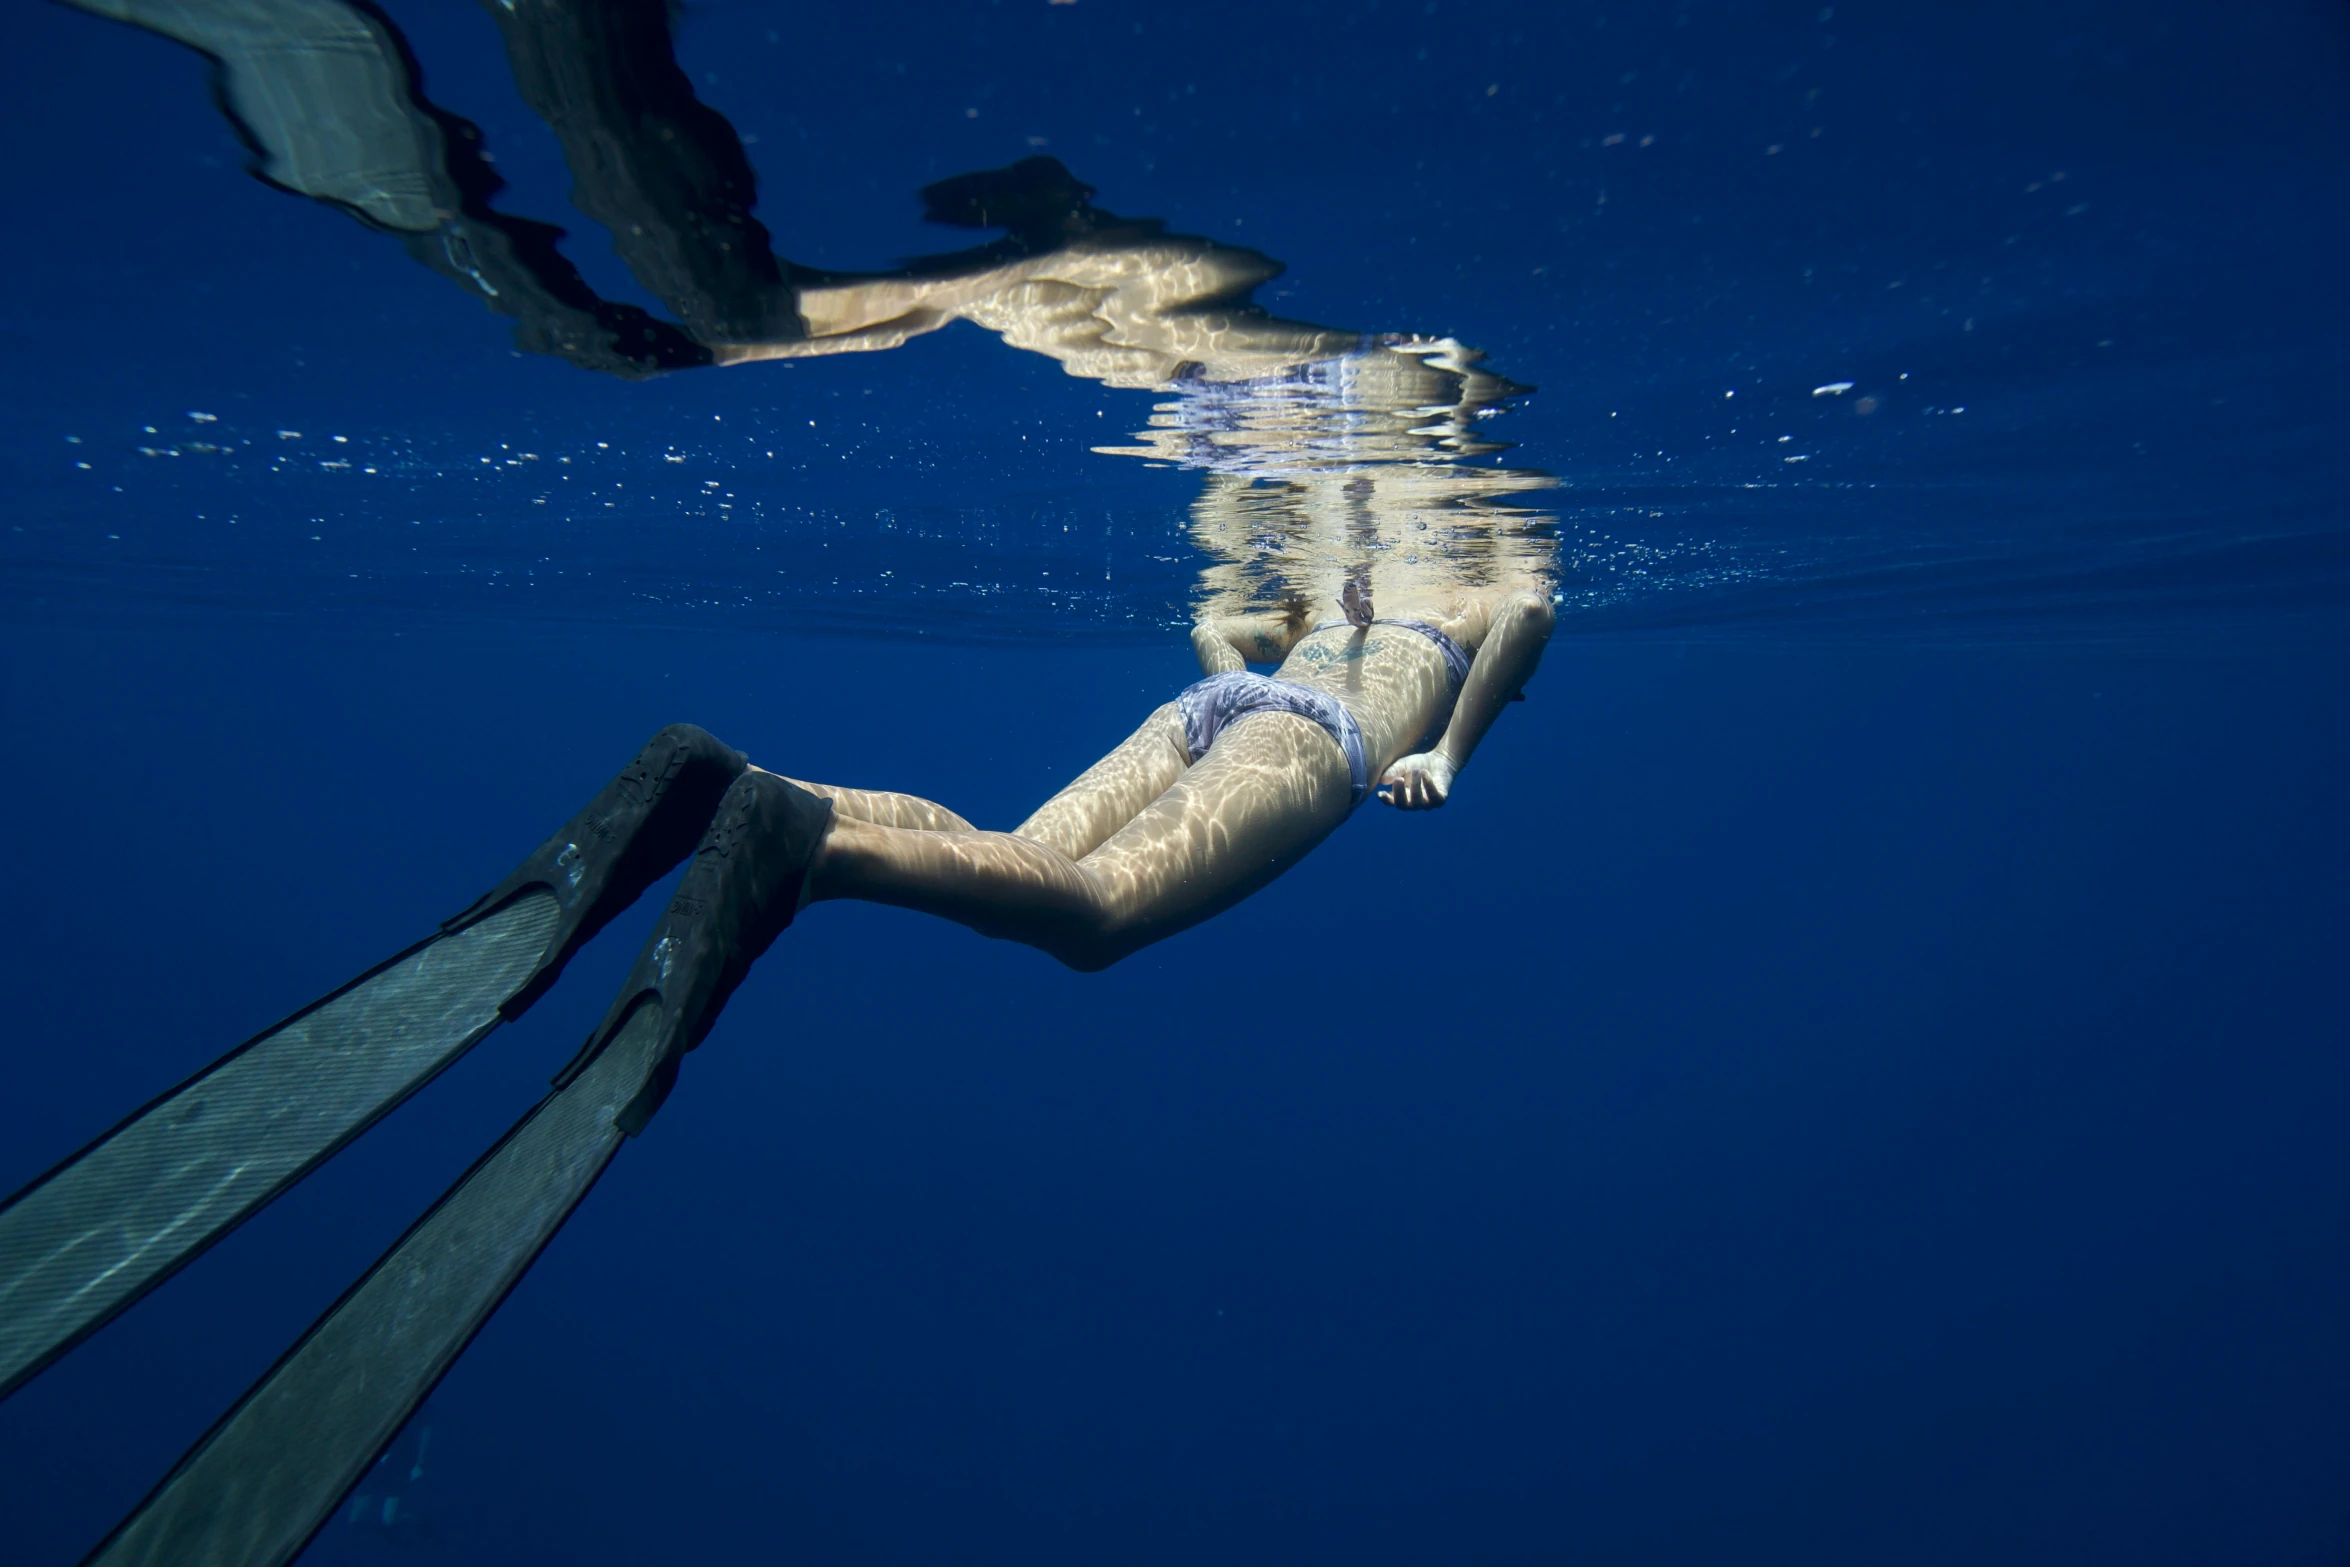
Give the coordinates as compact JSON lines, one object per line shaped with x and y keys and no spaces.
{"x":261,"y":1483}
{"x":83,"y":1242}
{"x":740,"y":894}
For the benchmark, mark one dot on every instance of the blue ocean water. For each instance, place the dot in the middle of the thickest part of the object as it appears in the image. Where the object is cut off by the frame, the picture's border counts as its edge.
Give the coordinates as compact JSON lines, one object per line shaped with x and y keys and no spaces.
{"x":1855,"y":1074}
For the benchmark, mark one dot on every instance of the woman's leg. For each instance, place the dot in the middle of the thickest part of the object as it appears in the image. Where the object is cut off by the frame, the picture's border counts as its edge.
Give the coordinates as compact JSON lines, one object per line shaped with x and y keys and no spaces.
{"x":1099,"y":801}
{"x":1114,"y":790}
{"x":883,"y":808}
{"x":1271,"y":787}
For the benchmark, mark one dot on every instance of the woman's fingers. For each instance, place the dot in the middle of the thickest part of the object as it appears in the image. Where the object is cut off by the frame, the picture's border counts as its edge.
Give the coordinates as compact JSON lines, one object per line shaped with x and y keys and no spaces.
{"x":1412,"y":786}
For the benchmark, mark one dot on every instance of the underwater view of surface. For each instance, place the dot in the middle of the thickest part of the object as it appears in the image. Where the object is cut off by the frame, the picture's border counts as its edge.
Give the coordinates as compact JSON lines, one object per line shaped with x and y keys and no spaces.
{"x":1854,"y":1072}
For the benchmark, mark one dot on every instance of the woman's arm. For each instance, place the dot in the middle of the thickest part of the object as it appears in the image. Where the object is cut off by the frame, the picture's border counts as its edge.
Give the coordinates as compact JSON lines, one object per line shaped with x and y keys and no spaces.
{"x":1235,"y":643}
{"x":1512,"y":649}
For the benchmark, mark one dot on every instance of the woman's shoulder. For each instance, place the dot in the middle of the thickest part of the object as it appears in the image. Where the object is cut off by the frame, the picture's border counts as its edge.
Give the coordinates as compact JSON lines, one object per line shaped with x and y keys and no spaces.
{"x":1467,"y":614}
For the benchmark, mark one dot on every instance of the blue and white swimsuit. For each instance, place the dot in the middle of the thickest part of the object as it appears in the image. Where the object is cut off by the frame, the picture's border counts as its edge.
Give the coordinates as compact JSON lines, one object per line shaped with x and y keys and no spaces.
{"x":1209,"y":706}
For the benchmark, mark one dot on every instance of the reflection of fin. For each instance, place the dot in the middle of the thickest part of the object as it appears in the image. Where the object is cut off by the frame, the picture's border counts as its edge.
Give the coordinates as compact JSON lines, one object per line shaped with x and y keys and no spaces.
{"x":256,"y":1488}
{"x":89,"y":1238}
{"x":660,"y":169}
{"x":327,"y":96}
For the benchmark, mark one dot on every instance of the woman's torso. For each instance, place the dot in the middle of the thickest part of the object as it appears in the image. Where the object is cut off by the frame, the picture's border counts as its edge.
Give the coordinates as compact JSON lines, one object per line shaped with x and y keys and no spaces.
{"x":1396,"y":681}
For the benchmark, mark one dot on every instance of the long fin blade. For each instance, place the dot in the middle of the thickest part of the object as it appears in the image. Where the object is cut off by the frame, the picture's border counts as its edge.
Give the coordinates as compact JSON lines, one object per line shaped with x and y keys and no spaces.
{"x":254,"y":1490}
{"x":86,"y":1241}
{"x":82,"y":1243}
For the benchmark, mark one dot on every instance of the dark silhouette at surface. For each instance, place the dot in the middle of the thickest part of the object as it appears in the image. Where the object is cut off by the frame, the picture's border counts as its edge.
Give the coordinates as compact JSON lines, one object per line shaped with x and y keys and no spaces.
{"x":329,"y":98}
{"x":653,"y":163}
{"x":1037,"y":201}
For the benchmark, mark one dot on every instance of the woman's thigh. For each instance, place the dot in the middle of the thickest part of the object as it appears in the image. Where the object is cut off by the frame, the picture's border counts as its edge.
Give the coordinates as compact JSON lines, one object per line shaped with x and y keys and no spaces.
{"x":1114,"y":790}
{"x":1271,"y":787}
{"x":884,"y":809}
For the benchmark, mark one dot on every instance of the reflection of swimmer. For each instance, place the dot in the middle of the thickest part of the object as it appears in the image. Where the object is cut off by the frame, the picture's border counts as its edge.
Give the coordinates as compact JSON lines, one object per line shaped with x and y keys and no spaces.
{"x":327,"y":95}
{"x":1118,"y":300}
{"x":389,"y":1502}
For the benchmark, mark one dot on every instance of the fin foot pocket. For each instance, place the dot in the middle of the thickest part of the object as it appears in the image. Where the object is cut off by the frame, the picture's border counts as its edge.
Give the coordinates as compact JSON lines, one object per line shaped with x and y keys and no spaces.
{"x":628,"y":837}
{"x":738,"y":894}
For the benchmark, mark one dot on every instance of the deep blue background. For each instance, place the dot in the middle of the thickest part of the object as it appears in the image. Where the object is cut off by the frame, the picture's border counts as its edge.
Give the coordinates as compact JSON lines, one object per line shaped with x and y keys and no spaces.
{"x":1791,"y":1107}
{"x":1856,"y":1075}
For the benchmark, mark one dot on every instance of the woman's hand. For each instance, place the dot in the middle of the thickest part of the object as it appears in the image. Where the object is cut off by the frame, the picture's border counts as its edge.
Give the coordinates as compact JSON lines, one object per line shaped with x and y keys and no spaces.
{"x":1420,"y":782}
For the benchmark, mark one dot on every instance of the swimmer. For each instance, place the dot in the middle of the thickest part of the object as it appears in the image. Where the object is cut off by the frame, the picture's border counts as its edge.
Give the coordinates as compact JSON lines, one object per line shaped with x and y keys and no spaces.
{"x":1219,"y":790}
